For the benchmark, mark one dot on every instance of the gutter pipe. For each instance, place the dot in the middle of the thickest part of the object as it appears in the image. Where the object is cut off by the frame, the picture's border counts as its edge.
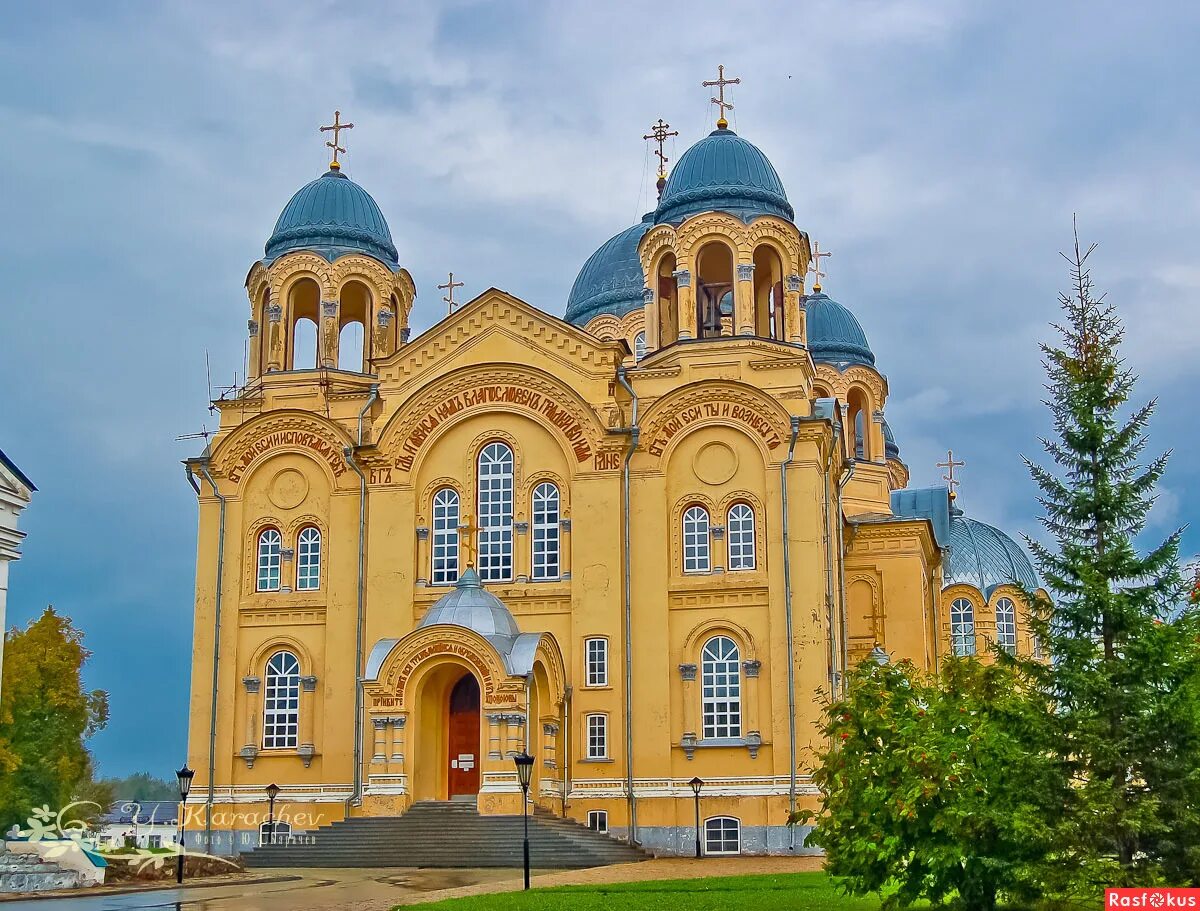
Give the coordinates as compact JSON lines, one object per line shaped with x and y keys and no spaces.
{"x":216,"y":663}
{"x":787,"y":613}
{"x":634,"y":433}
{"x":348,"y":452}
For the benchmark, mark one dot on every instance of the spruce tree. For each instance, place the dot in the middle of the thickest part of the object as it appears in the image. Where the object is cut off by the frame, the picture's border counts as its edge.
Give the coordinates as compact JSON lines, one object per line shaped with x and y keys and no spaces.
{"x":1123,"y":679}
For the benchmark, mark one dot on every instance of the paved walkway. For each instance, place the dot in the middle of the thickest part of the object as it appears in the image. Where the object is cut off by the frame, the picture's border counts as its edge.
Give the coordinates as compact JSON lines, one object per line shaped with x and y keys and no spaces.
{"x":381,"y":889}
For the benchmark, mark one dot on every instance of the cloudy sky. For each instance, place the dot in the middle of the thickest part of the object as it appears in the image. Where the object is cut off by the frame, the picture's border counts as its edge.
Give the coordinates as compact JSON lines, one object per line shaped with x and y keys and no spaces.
{"x":938,"y":148}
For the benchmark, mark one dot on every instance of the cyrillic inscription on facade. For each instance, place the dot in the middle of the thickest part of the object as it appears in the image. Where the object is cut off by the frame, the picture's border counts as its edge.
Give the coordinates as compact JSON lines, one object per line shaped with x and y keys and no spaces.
{"x":539,"y":403}
{"x":329,"y":452}
{"x":688,"y":416}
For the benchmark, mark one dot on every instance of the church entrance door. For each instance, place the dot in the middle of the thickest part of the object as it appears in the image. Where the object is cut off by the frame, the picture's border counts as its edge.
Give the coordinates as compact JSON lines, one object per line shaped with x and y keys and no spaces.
{"x":463,"y":738}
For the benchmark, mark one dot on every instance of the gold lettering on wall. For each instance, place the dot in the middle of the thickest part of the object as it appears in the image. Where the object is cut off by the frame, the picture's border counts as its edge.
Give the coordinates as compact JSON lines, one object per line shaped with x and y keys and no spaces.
{"x":688,"y":416}
{"x":330,"y":452}
{"x":540,"y":404}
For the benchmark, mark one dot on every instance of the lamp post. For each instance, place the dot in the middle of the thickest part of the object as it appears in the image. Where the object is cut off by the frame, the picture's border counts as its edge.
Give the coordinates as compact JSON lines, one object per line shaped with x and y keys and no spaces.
{"x":524,"y":764}
{"x":697,"y":784}
{"x":184,"y":777}
{"x":272,"y":793}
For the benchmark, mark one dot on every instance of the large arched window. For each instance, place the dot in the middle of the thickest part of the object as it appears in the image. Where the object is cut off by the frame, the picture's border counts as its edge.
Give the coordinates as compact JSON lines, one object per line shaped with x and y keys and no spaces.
{"x":696,"y":545}
{"x":1006,"y":624}
{"x":444,"y":570}
{"x":281,"y":702}
{"x":962,"y":627}
{"x":739,"y":532}
{"x":270,"y":547}
{"x":308,"y":559}
{"x":721,"y":688}
{"x":495,"y":513}
{"x":546,"y":544}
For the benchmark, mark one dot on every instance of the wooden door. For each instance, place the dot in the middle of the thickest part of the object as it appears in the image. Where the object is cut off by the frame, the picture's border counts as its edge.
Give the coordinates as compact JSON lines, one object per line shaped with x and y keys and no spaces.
{"x":463,"y":738}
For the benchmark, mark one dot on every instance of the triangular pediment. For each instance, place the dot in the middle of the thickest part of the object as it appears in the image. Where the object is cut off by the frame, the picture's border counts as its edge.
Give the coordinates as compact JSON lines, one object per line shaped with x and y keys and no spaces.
{"x":13,"y":481}
{"x":497,"y":327}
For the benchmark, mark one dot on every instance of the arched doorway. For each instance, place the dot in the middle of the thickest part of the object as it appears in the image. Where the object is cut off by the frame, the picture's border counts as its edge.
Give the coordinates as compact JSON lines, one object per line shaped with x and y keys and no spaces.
{"x":462,"y":738}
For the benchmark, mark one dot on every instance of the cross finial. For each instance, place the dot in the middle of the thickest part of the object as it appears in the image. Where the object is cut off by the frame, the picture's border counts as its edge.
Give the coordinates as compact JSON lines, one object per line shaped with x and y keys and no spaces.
{"x":659,"y":133}
{"x":814,"y":265}
{"x":950,"y":464}
{"x":450,"y":285}
{"x":720,"y":82}
{"x":466,"y":541}
{"x":337,"y":126}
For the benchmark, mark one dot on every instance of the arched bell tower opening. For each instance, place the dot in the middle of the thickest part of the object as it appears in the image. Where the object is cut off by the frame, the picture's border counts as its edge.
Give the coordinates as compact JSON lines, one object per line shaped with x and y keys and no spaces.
{"x":714,"y":290}
{"x":668,"y":301}
{"x":303,"y":315}
{"x":354,"y":308}
{"x":768,"y":294}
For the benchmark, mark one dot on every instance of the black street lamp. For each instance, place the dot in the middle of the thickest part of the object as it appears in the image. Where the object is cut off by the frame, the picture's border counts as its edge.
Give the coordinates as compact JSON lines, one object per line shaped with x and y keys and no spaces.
{"x":524,"y":772}
{"x":272,"y":793}
{"x":184,"y":777}
{"x":697,"y":784}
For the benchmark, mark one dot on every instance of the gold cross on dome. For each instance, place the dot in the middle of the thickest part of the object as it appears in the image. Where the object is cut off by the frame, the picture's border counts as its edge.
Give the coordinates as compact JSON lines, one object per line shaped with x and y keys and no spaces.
{"x":950,"y":464}
{"x":659,"y":133}
{"x":449,"y":299}
{"x":720,"y":82}
{"x":337,"y":126}
{"x":466,"y":541}
{"x":814,"y":265}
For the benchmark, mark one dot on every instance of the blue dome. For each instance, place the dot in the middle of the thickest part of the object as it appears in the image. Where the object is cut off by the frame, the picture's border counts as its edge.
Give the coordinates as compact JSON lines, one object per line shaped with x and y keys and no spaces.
{"x":985,"y":557}
{"x":611,"y":280}
{"x":834,"y":335}
{"x":332,"y":216}
{"x":891,"y":449}
{"x":723,"y":172}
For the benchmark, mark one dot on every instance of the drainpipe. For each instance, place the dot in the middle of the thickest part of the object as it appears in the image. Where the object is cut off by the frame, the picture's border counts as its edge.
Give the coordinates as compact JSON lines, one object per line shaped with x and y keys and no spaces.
{"x":634,"y":433}
{"x":844,"y":658}
{"x":216,"y":663}
{"x":348,"y":452}
{"x":828,"y":535}
{"x":791,"y":646}
{"x":565,"y":752}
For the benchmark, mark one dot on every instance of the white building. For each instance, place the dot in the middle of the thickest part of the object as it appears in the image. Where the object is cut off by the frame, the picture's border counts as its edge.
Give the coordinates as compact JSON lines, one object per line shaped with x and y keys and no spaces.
{"x":139,"y":823}
{"x":16,"y":490}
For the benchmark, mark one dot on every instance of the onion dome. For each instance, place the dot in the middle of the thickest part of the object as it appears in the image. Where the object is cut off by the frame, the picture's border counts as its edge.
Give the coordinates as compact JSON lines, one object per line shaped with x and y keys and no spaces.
{"x":611,"y":281}
{"x":723,"y":172}
{"x":891,"y":449}
{"x":332,"y":216}
{"x":834,"y":335}
{"x":985,"y":557}
{"x":472,"y":606}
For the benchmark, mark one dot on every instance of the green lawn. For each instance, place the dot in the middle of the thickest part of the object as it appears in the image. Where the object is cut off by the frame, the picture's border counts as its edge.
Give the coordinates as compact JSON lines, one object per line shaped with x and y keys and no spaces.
{"x":790,"y":891}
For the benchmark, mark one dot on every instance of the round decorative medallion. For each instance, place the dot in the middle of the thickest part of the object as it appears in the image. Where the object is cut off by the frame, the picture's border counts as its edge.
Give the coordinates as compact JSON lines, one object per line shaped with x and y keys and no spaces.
{"x":289,"y":488}
{"x":715,"y":463}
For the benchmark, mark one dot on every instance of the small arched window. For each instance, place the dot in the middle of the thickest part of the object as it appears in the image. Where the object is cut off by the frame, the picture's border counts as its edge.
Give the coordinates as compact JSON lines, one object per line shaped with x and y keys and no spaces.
{"x":696,"y":545}
{"x":546,"y":542}
{"x":962,"y":627}
{"x":270,"y":552}
{"x":281,"y":702}
{"x":739,"y":532}
{"x":444,"y":569}
{"x":495,"y":513}
{"x":639,"y":346}
{"x":721,"y":688}
{"x":722,"y":835}
{"x":308,"y":559}
{"x":1006,"y":625}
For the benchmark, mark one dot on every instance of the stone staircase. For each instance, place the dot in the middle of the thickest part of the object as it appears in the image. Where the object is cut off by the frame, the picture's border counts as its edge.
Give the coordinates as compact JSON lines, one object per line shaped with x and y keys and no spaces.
{"x":447,"y":834}
{"x":29,"y":873}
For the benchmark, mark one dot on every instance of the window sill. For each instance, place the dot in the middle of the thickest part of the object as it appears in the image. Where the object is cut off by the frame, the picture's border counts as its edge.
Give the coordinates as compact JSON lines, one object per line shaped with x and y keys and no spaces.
{"x":597,"y":687}
{"x":753,"y":742}
{"x":596,"y":759}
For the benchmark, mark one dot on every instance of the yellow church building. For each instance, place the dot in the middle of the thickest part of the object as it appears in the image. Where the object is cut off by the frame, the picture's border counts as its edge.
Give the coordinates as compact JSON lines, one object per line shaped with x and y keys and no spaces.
{"x":635,"y":539}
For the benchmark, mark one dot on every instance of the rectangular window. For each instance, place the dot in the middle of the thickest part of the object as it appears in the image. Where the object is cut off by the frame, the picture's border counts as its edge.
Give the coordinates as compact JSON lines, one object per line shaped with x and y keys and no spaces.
{"x":597,"y":736}
{"x":596,"y":651}
{"x":597,"y":820}
{"x":155,"y":841}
